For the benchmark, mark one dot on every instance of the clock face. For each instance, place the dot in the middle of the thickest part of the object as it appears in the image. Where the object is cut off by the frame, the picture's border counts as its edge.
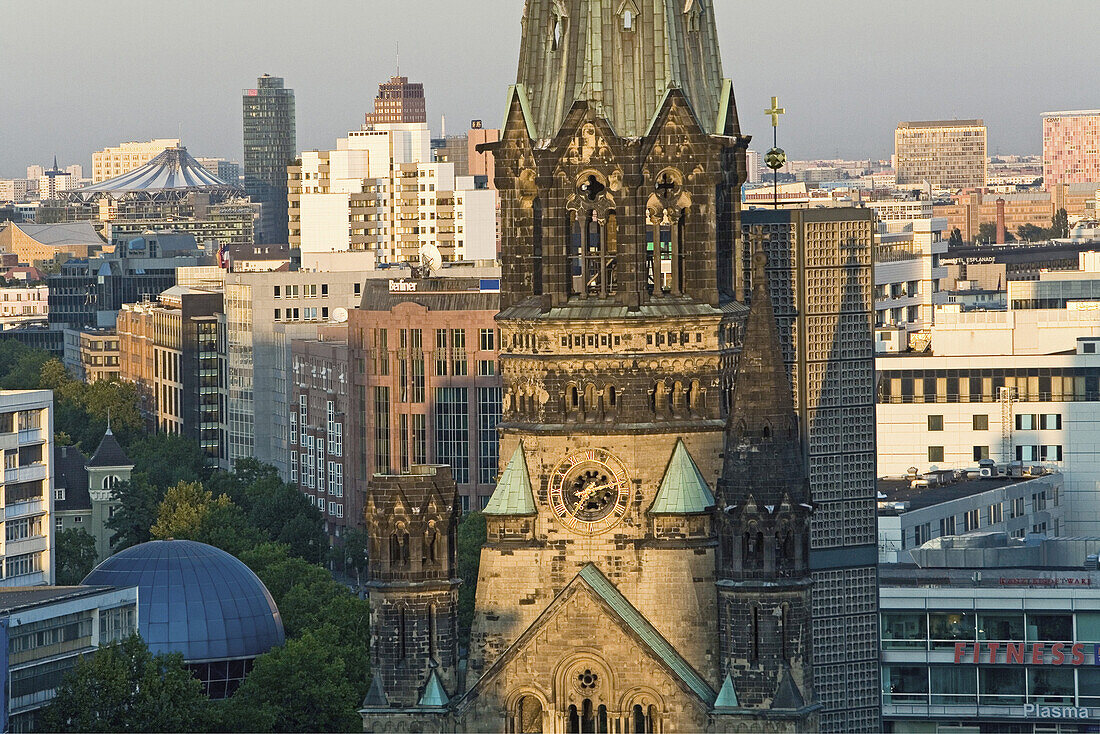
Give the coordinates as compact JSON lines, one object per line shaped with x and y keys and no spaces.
{"x":590,"y":491}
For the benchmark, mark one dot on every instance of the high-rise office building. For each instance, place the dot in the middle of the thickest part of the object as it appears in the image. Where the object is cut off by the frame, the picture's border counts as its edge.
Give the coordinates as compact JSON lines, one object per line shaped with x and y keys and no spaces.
{"x":427,"y":381}
{"x":819,"y":264}
{"x":270,"y":145}
{"x":398,"y":100}
{"x":173,"y":349}
{"x":946,"y":154}
{"x":1071,"y":147}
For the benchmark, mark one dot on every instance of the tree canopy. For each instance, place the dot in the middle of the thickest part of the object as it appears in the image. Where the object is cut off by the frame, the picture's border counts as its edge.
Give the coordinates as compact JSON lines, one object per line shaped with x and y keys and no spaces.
{"x":123,"y":687}
{"x":76,"y":556}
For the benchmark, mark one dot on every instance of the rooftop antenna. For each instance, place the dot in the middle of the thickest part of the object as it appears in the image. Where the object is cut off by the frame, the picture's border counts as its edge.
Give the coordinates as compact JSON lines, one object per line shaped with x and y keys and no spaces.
{"x":108,"y":419}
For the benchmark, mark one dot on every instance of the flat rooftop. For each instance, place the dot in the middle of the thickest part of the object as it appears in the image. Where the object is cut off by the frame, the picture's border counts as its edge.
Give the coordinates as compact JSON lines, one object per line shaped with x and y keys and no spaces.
{"x":942,"y":123}
{"x":901,"y":490}
{"x":24,"y":597}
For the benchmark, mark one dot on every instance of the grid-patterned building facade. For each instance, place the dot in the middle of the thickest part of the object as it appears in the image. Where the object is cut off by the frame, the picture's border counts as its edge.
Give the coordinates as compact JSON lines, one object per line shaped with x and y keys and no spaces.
{"x":819,"y":268}
{"x":1071,"y":147}
{"x":947,"y":154}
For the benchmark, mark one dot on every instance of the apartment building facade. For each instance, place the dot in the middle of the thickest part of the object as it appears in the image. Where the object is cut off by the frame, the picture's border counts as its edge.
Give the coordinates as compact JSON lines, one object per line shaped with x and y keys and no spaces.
{"x":319,"y":411}
{"x":125,"y":157}
{"x":380,"y":192}
{"x":26,"y":439}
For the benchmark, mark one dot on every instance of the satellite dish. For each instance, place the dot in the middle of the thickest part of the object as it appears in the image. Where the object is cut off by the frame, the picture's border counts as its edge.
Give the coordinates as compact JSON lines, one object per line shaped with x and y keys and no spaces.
{"x":430,"y":259}
{"x":340,"y":315}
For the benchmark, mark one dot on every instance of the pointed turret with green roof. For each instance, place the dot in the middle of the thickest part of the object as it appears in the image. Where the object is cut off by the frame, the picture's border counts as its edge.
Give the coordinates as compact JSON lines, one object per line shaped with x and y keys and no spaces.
{"x":513,"y":495}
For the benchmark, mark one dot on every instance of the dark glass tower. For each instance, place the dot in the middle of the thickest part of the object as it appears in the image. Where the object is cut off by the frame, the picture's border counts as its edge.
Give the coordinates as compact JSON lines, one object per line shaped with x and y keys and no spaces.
{"x":270,"y":145}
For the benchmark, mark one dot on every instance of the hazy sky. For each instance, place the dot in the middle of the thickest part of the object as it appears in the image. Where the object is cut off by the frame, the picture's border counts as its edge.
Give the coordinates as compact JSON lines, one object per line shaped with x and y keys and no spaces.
{"x":78,"y":76}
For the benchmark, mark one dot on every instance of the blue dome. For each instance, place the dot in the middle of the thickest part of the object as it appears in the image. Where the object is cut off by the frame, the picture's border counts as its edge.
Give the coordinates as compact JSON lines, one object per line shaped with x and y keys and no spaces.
{"x":195,"y":599}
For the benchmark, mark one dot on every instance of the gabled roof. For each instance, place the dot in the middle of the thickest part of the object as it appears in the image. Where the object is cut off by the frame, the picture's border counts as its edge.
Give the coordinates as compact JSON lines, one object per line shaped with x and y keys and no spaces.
{"x":434,"y":694}
{"x":646,"y":632}
{"x":109,"y":453}
{"x":683,"y":489}
{"x":513,"y":495}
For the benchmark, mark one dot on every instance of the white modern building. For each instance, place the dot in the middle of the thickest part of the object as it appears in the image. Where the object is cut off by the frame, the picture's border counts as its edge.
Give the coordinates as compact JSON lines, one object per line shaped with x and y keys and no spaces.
{"x":26,"y":440}
{"x":379,"y":191}
{"x":22,"y":305}
{"x":945,"y":504}
{"x":990,"y":634}
{"x":1020,"y":387}
{"x":907,"y":275}
{"x":18,"y":189}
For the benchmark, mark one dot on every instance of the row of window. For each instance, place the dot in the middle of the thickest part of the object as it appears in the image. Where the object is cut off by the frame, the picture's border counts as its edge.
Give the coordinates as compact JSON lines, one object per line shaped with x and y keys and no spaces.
{"x":1031,"y":452}
{"x":1024,"y":422}
{"x":942,"y":629}
{"x":999,"y":685}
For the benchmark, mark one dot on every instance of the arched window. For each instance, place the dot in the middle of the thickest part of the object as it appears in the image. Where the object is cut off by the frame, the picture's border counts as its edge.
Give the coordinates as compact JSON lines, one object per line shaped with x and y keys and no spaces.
{"x":431,"y":631}
{"x":529,"y":716}
{"x":110,"y":482}
{"x":395,"y":549}
{"x":755,"y":633}
{"x":402,"y":633}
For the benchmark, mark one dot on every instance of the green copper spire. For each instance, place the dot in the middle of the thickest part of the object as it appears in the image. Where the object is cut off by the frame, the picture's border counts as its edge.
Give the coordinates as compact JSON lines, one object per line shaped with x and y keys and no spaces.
{"x":622,"y":57}
{"x":513,"y":495}
{"x":727,"y":697}
{"x":434,"y":694}
{"x":683,"y":490}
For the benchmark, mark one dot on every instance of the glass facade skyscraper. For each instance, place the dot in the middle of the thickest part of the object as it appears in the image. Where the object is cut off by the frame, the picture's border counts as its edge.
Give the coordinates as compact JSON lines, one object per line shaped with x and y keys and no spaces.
{"x":270,"y":144}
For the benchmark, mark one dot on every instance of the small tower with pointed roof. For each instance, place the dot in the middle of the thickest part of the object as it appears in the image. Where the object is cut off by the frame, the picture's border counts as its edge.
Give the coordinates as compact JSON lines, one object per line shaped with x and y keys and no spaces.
{"x":108,"y":467}
{"x":412,"y":520}
{"x":763,"y":525}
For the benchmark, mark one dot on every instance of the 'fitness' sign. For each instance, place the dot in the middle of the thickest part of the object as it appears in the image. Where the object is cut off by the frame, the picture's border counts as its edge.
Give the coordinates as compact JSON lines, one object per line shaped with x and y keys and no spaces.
{"x":1030,"y":653}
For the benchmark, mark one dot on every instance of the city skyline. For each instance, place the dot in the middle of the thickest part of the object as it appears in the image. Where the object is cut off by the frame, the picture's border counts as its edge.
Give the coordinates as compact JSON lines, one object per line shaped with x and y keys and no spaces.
{"x":335,"y":60}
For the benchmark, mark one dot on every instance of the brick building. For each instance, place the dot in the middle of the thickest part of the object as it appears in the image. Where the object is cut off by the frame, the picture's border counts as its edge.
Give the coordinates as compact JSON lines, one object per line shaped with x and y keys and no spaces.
{"x":320,"y":389}
{"x":427,"y":386}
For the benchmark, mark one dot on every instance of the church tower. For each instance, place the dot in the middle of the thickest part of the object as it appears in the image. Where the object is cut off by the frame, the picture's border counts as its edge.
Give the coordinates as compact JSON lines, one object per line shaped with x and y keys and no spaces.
{"x":599,"y":601}
{"x":763,"y":529}
{"x":412,"y":521}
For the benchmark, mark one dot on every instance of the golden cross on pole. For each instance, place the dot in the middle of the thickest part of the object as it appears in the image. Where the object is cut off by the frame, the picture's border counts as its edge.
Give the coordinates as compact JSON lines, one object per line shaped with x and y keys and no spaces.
{"x":775,"y":111}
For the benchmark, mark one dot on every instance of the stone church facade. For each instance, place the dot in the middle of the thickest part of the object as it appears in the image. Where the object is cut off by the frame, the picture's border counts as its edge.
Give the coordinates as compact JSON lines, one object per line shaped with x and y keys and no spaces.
{"x":646,"y":568}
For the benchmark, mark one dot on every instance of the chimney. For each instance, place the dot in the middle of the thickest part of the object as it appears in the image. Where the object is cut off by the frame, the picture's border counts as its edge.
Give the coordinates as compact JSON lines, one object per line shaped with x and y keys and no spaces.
{"x":1000,"y":221}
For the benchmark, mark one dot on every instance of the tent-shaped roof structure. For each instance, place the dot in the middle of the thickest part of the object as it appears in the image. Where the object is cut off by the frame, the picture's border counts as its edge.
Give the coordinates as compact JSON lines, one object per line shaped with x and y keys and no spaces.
{"x":173,"y":171}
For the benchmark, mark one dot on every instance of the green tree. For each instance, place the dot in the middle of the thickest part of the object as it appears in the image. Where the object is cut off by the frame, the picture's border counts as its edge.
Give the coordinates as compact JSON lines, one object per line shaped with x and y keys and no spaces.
{"x":1032,"y":233}
{"x":956,"y":238}
{"x":471,"y":537}
{"x":310,"y":600}
{"x":1059,"y":224}
{"x":987,"y":232}
{"x":165,"y":459}
{"x":76,"y":556}
{"x":189,"y":512}
{"x":21,"y":366}
{"x":300,"y":687}
{"x":182,"y":511}
{"x":139,"y":504}
{"x":123,"y":687}
{"x":354,"y":552}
